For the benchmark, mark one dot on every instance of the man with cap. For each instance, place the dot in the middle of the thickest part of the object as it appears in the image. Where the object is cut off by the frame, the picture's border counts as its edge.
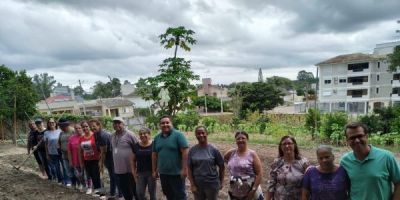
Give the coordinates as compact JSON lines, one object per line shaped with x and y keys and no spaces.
{"x":40,"y":146}
{"x":66,"y":132}
{"x":122,"y":143}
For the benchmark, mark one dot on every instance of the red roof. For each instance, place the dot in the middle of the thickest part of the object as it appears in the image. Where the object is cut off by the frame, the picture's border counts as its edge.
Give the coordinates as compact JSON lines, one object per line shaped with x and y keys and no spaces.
{"x":58,"y":98}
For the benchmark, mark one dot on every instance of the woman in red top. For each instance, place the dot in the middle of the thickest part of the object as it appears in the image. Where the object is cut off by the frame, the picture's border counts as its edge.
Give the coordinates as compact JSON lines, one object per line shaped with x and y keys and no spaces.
{"x":73,"y":148}
{"x":89,"y":158}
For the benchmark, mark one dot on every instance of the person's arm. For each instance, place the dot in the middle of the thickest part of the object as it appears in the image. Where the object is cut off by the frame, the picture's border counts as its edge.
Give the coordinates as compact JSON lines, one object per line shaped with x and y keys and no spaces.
{"x":227,"y":155}
{"x":154,"y":164}
{"x":396,"y":193}
{"x":184,"y":152}
{"x":28,"y":142}
{"x":103,"y":151}
{"x":272,"y":180}
{"x":69,"y":153}
{"x":219,"y":160}
{"x":193,"y":187}
{"x":257,"y":178}
{"x":134,"y":169}
{"x":305,"y":194}
{"x":81,"y":160}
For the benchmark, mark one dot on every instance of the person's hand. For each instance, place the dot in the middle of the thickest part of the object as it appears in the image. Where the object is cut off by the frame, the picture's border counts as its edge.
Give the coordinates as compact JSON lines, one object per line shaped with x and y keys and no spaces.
{"x":155,"y":175}
{"x":136,"y":177}
{"x":221,"y":186}
{"x":184,"y":173}
{"x":250,"y":195}
{"x":34,"y":148}
{"x":193,"y":188}
{"x":101,"y":168}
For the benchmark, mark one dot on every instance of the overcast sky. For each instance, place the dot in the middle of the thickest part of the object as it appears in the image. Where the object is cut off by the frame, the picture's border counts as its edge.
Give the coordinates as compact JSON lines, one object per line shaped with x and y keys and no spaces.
{"x":92,"y":39}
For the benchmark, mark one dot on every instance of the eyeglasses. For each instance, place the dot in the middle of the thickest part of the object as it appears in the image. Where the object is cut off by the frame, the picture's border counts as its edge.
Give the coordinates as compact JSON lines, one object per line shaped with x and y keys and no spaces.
{"x":353,"y":138}
{"x":287,"y":143}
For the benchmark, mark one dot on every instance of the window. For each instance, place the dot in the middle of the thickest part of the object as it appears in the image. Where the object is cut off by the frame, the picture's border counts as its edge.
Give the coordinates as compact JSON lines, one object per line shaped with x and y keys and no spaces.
{"x":342,"y":80}
{"x":327,"y":81}
{"x":357,"y":67}
{"x":377,"y":90}
{"x":379,"y":65}
{"x":377,"y":77}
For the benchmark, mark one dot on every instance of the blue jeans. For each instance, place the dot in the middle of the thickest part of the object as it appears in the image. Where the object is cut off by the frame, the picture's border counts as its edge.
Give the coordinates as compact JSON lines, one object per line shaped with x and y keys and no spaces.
{"x":145,"y":179}
{"x":173,"y":186}
{"x":204,"y":192}
{"x":68,"y":172}
{"x":55,"y":167}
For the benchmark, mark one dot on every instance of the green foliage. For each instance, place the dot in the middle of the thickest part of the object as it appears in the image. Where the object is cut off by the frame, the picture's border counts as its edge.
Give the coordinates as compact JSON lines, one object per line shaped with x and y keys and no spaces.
{"x":235,"y":123}
{"x":213,"y":103}
{"x":78,"y":90}
{"x":337,"y":135}
{"x":210,"y":123}
{"x":384,"y":139}
{"x":258,"y":96}
{"x":373,"y":122}
{"x":395,"y":125}
{"x":262,"y":124}
{"x":394,"y":59}
{"x":280,"y":82}
{"x":172,"y":87}
{"x":107,"y":90}
{"x":43,"y":84}
{"x":313,"y":121}
{"x":187,"y":121}
{"x":333,"y":122}
{"x":387,"y":115}
{"x":16,"y":88}
{"x":143,"y":112}
{"x":178,"y":36}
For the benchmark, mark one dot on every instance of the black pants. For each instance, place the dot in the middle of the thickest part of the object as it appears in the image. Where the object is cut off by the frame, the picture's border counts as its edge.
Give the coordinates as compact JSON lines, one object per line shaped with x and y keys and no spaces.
{"x":173,"y":186}
{"x":45,"y":163}
{"x":127,"y":185}
{"x":92,"y":169}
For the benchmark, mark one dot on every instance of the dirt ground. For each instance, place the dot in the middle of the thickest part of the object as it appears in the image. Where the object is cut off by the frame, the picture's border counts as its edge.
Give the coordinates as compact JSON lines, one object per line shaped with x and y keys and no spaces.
{"x":26,"y":183}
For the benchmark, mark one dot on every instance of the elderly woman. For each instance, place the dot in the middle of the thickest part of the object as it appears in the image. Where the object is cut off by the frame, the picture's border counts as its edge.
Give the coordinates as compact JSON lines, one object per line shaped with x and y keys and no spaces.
{"x":244,"y":167}
{"x":328,"y":180}
{"x":203,"y":161}
{"x":141,"y":168}
{"x":287,"y":171}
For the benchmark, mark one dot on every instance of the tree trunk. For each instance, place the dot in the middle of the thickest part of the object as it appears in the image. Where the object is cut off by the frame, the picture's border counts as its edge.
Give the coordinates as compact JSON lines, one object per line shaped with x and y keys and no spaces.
{"x":14,"y":138}
{"x":176,"y":46}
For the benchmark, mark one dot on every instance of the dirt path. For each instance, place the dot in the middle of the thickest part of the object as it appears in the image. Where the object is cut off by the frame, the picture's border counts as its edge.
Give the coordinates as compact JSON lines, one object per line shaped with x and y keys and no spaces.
{"x":27,"y":184}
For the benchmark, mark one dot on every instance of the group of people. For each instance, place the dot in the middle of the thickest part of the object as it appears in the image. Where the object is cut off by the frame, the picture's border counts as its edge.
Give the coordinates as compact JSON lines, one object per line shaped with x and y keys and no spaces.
{"x":135,"y":164}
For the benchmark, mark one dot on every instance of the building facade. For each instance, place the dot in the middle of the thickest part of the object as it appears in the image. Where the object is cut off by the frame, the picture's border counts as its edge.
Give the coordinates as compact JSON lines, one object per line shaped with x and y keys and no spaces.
{"x":358,"y":83}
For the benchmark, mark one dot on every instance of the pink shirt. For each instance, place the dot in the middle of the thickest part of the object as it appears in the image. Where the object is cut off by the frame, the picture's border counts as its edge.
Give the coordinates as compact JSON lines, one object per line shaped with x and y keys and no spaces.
{"x":73,"y":147}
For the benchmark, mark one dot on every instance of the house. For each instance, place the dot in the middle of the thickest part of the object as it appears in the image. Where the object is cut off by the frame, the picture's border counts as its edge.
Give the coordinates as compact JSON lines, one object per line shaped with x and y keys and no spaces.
{"x":212,"y":90}
{"x":113,"y":107}
{"x":357,"y":83}
{"x":128,"y":91}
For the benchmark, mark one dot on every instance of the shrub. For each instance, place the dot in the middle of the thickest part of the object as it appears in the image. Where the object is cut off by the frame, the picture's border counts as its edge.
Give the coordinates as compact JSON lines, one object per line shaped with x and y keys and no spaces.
{"x":209,"y":122}
{"x":187,"y":121}
{"x":328,"y":121}
{"x":313,"y":121}
{"x":373,"y":122}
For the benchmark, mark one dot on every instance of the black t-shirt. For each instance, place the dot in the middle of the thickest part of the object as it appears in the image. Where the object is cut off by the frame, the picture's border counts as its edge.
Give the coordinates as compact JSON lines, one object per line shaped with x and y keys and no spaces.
{"x":102,"y":139}
{"x":32,"y":139}
{"x":39,"y":138}
{"x":143,"y":157}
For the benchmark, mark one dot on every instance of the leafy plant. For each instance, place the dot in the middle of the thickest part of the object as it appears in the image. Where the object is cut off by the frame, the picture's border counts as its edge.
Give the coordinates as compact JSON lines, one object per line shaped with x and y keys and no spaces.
{"x":328,"y":120}
{"x":313,"y":121}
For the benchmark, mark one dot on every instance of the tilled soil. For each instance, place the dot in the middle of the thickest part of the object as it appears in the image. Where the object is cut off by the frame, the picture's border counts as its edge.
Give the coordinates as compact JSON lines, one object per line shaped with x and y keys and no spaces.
{"x":26,"y":183}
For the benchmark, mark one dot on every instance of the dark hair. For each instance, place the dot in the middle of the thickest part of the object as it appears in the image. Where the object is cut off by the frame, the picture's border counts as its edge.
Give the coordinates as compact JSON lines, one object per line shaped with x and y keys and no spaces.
{"x":199,"y":127}
{"x":97,"y":122}
{"x":166,"y":116}
{"x":145,"y":130}
{"x":82,"y":122}
{"x":48,"y":122}
{"x":296,"y":149}
{"x":242,"y":133}
{"x":354,"y":125}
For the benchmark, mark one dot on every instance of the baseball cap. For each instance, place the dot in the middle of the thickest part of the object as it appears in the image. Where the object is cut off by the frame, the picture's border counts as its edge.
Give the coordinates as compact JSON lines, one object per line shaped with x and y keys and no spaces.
{"x":119,"y":119}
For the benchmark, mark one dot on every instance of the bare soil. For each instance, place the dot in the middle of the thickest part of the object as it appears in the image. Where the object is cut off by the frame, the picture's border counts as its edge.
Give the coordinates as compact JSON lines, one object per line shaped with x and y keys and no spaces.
{"x":26,"y":183}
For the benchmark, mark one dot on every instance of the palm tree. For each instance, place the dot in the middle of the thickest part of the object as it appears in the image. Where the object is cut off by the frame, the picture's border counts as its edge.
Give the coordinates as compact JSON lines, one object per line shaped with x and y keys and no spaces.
{"x":179,"y":37}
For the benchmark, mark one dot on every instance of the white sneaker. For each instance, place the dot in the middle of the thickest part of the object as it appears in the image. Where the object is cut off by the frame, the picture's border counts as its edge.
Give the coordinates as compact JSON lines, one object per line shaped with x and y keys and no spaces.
{"x":69,"y":185}
{"x":96,"y":193}
{"x":89,"y":191}
{"x":80,"y":188}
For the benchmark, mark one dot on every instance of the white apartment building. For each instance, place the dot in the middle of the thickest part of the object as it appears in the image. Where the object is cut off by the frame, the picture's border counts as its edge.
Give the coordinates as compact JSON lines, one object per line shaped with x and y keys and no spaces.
{"x":357,"y":83}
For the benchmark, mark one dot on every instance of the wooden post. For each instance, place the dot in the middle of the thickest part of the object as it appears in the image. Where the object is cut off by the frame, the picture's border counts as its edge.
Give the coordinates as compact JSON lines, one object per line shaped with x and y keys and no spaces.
{"x":15,"y":121}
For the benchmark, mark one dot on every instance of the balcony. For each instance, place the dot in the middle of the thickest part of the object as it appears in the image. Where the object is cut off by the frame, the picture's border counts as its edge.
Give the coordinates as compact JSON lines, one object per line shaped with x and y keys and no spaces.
{"x":357,"y":94}
{"x":395,"y":95}
{"x":357,"y":68}
{"x":357,"y":81}
{"x":396,"y":80}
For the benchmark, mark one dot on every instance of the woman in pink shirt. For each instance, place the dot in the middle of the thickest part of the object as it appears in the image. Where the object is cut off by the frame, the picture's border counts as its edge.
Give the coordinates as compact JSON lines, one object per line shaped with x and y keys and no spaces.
{"x":73,"y":156}
{"x":89,"y":158}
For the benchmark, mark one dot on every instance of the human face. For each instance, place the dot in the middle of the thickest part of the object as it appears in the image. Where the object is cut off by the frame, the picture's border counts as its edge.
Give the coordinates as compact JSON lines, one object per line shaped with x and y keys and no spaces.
{"x":144,"y":136}
{"x":325,"y":159}
{"x":165,"y":125}
{"x":357,"y":139}
{"x":241,"y":141}
{"x":52,"y":124}
{"x":85,"y":127}
{"x":94,"y":127}
{"x":118,"y":126}
{"x":287,"y":146}
{"x":78,"y":129}
{"x":32,"y":126}
{"x":201,"y":136}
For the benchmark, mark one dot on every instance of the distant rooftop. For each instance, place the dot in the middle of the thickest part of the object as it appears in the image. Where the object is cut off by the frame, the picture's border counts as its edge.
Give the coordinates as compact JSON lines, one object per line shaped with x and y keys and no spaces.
{"x":349,"y":58}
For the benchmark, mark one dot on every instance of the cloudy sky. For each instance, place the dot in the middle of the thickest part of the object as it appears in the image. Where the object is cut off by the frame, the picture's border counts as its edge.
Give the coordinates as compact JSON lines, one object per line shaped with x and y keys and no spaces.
{"x":92,"y":39}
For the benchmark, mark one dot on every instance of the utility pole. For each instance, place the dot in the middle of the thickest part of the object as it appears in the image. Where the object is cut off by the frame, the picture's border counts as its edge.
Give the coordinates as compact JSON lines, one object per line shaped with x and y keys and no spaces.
{"x":14,"y":138}
{"x":205,"y":102}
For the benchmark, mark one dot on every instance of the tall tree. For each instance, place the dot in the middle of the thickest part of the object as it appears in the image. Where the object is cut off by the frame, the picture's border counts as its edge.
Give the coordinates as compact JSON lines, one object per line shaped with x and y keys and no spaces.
{"x":175,"y":74}
{"x":259,"y":96}
{"x":107,"y":90}
{"x":16,"y":87}
{"x":79,"y":91}
{"x":43,"y":84}
{"x":280,"y":82}
{"x":177,"y":37}
{"x":394,"y":59}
